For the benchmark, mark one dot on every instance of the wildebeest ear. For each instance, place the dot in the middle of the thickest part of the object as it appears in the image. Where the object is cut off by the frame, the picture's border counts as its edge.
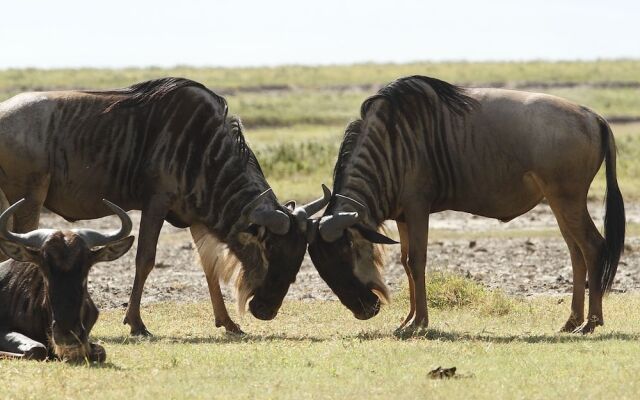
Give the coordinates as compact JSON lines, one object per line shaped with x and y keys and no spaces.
{"x":112,"y":251}
{"x":373,"y":236}
{"x":19,"y":252}
{"x":291,"y":205}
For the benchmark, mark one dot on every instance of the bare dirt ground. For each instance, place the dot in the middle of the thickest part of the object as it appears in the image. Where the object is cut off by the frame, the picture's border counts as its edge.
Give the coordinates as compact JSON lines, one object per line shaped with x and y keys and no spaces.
{"x":524,"y":257}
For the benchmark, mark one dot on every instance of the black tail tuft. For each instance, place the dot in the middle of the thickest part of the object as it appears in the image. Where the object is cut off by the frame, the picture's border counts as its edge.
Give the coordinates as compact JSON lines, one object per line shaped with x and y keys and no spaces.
{"x":614,"y":220}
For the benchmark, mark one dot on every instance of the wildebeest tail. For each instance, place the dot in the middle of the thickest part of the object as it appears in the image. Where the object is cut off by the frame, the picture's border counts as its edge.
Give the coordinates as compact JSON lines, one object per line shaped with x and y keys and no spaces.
{"x":614,"y":220}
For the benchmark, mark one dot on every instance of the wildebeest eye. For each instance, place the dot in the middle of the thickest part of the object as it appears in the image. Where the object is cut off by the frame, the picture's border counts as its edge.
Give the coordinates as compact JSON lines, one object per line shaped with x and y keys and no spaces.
{"x":253,"y":229}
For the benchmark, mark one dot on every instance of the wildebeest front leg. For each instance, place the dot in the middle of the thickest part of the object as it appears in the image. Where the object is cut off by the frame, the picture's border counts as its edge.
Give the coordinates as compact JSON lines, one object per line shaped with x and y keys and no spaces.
{"x":418,"y":229}
{"x":200,"y":236}
{"x":404,"y":257}
{"x":220,"y":313}
{"x":27,"y":217}
{"x":14,"y":344}
{"x":150,"y":225}
{"x":34,"y":191}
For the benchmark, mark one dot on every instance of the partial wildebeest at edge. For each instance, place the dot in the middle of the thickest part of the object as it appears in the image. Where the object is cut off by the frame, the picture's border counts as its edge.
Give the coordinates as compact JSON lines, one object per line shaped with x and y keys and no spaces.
{"x":423,"y":146}
{"x":166,"y":147}
{"x":45,"y":308}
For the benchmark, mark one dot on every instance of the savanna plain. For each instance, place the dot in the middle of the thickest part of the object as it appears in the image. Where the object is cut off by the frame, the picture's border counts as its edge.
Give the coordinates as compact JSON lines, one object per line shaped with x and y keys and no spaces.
{"x":498,"y":292}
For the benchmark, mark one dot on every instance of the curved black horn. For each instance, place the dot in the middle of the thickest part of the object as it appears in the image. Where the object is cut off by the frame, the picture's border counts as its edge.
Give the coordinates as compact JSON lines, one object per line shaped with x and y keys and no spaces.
{"x":248,"y":209}
{"x":303,"y":213}
{"x":331,"y":227}
{"x":318,"y":204}
{"x":94,"y":238}
{"x":361,"y":208}
{"x":34,"y":239}
{"x":275,"y":220}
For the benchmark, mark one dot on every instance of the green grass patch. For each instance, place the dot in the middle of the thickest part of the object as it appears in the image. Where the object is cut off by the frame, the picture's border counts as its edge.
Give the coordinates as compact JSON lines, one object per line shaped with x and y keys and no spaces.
{"x":318,"y":350}
{"x":295,"y":169}
{"x":339,"y":107}
{"x":448,"y":291}
{"x":607,"y":102}
{"x":628,"y":164}
{"x":16,"y":80}
{"x":295,"y":133}
{"x":277,"y":109}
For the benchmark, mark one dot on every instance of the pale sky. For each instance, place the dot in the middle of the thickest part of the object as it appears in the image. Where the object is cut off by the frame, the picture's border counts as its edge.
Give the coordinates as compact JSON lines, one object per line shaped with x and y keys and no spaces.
{"x":117,"y":33}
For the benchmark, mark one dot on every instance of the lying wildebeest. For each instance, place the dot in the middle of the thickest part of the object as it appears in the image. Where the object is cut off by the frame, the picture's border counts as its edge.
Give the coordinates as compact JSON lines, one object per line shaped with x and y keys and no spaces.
{"x":45,"y":308}
{"x":423,"y":146}
{"x":168,"y":148}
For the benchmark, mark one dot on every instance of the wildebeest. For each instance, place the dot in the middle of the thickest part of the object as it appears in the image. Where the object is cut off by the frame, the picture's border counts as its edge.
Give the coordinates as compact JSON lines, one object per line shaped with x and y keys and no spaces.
{"x":423,"y":145}
{"x":166,"y":147}
{"x":45,"y":308}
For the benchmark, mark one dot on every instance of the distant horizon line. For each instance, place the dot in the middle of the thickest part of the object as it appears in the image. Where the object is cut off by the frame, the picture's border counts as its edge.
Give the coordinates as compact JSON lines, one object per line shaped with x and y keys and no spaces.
{"x":328,"y":64}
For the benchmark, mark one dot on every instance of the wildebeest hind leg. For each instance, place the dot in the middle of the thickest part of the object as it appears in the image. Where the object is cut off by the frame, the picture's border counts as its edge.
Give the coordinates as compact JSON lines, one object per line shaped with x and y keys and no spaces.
{"x":577,"y":223}
{"x":404,"y":249}
{"x":576,"y":318}
{"x":13,"y":344}
{"x":150,"y":225}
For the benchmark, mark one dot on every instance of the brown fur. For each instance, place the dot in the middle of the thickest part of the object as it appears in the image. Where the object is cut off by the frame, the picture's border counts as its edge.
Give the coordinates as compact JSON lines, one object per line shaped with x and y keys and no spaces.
{"x":423,"y":146}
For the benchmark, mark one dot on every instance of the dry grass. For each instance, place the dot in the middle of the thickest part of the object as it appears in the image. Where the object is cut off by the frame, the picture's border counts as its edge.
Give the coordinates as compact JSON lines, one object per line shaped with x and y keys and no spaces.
{"x":318,"y":350}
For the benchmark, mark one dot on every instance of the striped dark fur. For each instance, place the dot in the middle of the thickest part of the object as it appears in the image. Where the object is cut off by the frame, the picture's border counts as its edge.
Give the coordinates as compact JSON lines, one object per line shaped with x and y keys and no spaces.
{"x":167,"y":147}
{"x":173,"y":128}
{"x":407,"y":122}
{"x":25,"y":303}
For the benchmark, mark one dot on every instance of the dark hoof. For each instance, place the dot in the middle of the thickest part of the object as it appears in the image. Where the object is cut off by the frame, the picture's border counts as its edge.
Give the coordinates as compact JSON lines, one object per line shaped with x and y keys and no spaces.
{"x":589,"y":326}
{"x":39,"y":353}
{"x":585,"y":329}
{"x":413,"y":329}
{"x":235,"y":332}
{"x":230,"y":327}
{"x":142,"y":332}
{"x":97,"y":353}
{"x":571,"y":325}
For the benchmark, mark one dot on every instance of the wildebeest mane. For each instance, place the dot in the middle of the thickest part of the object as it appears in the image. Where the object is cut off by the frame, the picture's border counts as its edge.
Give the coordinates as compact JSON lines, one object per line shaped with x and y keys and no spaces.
{"x":399,"y":92}
{"x":409,"y":92}
{"x":346,"y":148}
{"x":146,"y":92}
{"x":244,"y":151}
{"x":402,"y":95}
{"x":412,"y":99}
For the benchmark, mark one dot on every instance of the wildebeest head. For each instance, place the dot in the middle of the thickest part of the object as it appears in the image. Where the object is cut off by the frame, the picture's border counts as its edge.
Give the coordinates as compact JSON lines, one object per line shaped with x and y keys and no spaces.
{"x":271,"y":248}
{"x":343,"y":251}
{"x":64,"y":260}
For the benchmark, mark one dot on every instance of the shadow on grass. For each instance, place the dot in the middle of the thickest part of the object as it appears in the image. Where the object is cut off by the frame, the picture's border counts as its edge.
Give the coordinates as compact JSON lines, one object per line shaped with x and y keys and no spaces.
{"x":104,"y":365}
{"x":79,"y":364}
{"x":428,"y":334}
{"x":223,"y":339}
{"x":448,"y":336}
